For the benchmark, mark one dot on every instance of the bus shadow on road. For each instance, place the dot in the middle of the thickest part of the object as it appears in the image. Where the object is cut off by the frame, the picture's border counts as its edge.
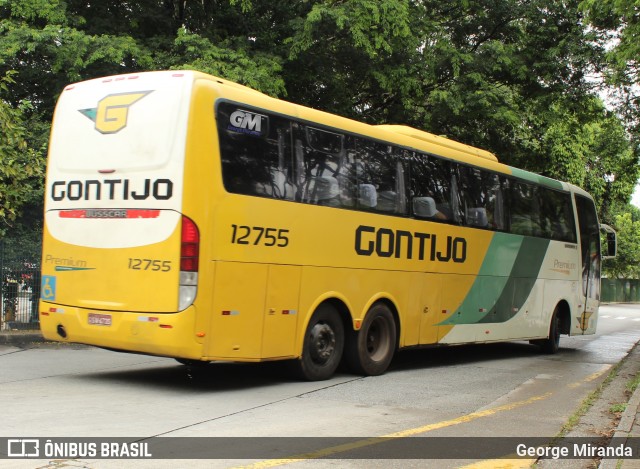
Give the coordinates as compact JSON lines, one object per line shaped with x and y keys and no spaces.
{"x":228,"y":376}
{"x":444,"y":356}
{"x":208,"y":377}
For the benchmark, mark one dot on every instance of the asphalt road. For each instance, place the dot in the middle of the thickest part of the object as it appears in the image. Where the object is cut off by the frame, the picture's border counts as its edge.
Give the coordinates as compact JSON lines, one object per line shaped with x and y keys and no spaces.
{"x":460,"y":394}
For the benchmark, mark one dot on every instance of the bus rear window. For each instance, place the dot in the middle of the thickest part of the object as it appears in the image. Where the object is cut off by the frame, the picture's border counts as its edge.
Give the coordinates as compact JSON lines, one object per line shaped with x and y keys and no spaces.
{"x":132,"y":124}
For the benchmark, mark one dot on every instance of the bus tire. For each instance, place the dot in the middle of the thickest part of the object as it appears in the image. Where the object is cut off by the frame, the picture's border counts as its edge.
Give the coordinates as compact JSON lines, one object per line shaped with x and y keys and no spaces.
{"x":551,"y":344}
{"x":323,"y":345}
{"x":371,"y":349}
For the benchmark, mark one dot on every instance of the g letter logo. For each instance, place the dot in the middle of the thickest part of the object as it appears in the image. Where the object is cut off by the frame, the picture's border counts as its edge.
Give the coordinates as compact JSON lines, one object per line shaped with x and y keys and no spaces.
{"x":113,"y":110}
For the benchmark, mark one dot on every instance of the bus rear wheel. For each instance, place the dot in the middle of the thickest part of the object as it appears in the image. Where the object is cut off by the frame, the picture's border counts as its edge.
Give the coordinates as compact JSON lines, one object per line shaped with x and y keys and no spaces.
{"x":323,"y":345}
{"x":371,"y":349}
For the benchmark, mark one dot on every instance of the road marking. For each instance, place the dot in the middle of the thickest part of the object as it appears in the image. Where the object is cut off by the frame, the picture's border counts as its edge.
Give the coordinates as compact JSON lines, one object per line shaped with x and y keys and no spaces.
{"x":621,"y":317}
{"x":596,"y":375}
{"x":589,"y":378}
{"x":333,"y":450}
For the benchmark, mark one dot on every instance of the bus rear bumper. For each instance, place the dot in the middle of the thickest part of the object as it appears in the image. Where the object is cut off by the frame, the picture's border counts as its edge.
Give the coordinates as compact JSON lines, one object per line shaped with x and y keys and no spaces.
{"x":167,"y":334}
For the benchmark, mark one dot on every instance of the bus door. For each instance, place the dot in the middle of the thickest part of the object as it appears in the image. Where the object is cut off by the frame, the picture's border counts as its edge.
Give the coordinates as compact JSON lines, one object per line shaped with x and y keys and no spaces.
{"x":591,"y":257}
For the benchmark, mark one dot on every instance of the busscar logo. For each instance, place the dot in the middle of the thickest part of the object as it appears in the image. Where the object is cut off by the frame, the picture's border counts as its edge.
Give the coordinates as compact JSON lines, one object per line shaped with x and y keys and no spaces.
{"x":112,"y":112}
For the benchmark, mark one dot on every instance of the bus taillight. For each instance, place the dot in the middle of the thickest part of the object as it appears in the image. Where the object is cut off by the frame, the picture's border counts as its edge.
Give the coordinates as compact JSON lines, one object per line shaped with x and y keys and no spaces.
{"x":189,"y":255}
{"x":190,"y":245}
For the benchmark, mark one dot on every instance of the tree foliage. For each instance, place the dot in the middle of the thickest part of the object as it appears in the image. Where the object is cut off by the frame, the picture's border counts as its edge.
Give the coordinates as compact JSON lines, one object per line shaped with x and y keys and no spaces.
{"x":626,"y":264}
{"x":619,"y":24}
{"x":20,"y":168}
{"x":509,"y":76}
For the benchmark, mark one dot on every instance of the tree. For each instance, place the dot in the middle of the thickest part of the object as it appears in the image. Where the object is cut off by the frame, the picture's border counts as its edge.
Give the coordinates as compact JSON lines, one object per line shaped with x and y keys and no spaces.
{"x":582,"y":143}
{"x":46,"y":44}
{"x":626,"y":264}
{"x":619,"y":23}
{"x":505,"y":75}
{"x":21,"y":168}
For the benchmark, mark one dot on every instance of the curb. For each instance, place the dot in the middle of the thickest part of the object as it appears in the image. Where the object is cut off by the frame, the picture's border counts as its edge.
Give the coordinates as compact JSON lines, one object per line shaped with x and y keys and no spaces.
{"x":20,"y":338}
{"x":623,"y":431}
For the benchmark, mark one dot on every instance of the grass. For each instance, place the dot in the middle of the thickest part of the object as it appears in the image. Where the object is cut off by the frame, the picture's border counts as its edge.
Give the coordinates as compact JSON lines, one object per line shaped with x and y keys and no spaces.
{"x":633,"y":384}
{"x":588,"y":401}
{"x":594,"y":395}
{"x":618,"y":408}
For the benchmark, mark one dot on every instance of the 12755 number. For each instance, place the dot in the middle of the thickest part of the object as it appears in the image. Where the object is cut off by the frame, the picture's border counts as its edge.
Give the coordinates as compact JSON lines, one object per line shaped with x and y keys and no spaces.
{"x":258,"y":235}
{"x":155,"y":265}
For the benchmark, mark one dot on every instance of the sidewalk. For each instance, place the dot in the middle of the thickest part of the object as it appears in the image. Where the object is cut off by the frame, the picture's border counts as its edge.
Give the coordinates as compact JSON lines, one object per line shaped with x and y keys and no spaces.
{"x":20,"y":338}
{"x":629,"y":426}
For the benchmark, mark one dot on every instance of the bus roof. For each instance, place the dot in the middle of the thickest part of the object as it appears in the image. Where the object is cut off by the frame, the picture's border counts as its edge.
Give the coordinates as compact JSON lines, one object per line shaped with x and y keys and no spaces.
{"x":438,"y":140}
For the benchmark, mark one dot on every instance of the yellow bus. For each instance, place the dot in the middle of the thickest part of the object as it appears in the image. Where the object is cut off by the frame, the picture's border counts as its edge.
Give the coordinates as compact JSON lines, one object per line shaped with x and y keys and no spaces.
{"x":191,"y":217}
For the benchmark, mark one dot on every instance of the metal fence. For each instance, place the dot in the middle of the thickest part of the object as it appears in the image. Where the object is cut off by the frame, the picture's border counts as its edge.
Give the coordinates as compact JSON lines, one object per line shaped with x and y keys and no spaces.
{"x":20,"y":291}
{"x":620,"y":290}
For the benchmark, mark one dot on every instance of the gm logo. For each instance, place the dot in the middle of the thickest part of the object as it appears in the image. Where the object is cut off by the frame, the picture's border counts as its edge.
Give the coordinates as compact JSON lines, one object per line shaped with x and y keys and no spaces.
{"x":113,"y":111}
{"x":248,"y":122}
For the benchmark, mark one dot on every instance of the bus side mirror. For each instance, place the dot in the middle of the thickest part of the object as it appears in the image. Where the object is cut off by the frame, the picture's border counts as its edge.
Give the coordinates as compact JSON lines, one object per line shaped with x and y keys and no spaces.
{"x":611,"y":241}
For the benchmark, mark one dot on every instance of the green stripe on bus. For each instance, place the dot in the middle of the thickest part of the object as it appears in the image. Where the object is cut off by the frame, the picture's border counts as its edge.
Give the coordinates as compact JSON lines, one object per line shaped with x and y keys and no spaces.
{"x":536,"y":178}
{"x":506,"y":278}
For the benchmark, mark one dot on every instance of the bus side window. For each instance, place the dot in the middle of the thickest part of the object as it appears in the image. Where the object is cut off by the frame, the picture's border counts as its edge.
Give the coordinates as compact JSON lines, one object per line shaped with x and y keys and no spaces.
{"x":259,"y":162}
{"x":277,"y":163}
{"x":558,"y":214}
{"x":482,"y":197}
{"x":346,"y":175}
{"x":323,"y":168}
{"x":525,"y":210}
{"x":380,"y":176}
{"x":473,"y":196}
{"x":429,"y":182}
{"x":497,"y":187}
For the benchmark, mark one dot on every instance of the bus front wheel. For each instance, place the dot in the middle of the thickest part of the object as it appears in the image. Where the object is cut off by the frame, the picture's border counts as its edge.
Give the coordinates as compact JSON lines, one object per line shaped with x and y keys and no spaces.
{"x":323,"y":345}
{"x":370,"y":350}
{"x":551,"y":344}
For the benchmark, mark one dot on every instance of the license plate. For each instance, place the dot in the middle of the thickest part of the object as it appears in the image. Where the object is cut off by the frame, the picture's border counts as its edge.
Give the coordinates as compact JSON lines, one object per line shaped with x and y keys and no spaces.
{"x":99,"y":319}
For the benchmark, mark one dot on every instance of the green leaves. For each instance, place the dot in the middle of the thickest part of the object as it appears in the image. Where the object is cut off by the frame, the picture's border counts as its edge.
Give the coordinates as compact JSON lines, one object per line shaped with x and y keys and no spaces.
{"x":505,"y":75}
{"x":34,"y":11}
{"x":627,"y":262}
{"x":259,"y":70}
{"x":618,"y":25}
{"x":20,"y":166}
{"x":369,"y":25}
